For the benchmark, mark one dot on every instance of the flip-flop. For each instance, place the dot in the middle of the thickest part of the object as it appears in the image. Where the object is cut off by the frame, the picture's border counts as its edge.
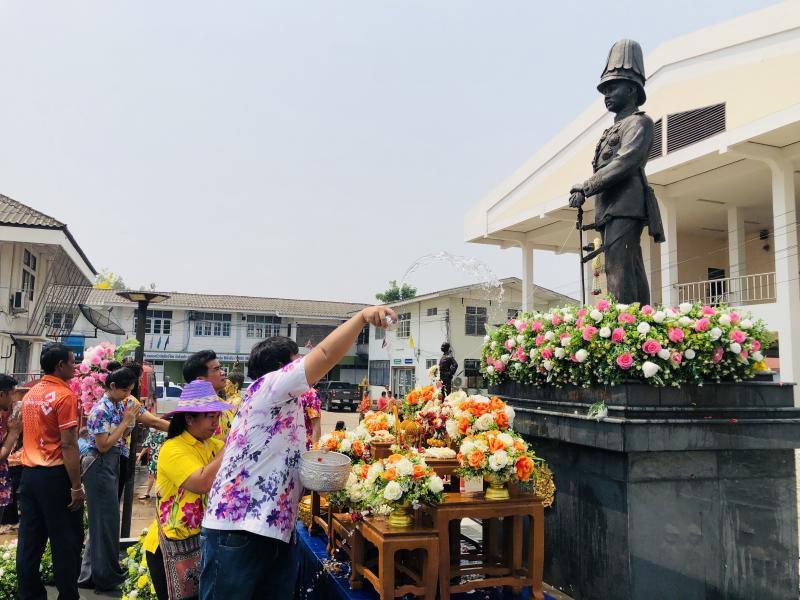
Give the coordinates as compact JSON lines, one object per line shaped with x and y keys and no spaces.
{"x":145,"y":497}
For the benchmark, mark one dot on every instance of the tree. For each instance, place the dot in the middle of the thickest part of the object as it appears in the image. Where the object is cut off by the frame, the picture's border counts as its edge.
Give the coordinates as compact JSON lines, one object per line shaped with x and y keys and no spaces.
{"x":106,"y":280}
{"x":395,"y":293}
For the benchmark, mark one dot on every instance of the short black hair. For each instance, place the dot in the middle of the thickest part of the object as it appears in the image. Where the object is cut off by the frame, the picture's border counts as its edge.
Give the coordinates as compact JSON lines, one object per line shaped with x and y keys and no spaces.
{"x":177,"y":425}
{"x":197,"y":365}
{"x":270,"y":355}
{"x":383,"y":394}
{"x":52,"y":354}
{"x":446,"y":347}
{"x":7,"y":382}
{"x":121,"y":378}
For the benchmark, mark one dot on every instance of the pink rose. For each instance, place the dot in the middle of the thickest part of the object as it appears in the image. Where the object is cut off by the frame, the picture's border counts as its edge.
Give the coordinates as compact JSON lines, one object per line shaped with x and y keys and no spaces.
{"x":579,"y":323}
{"x":677,"y":357}
{"x":588,"y":332}
{"x":537,"y":326}
{"x":509,"y":345}
{"x":556,"y":320}
{"x":539,"y":340}
{"x":583,"y":312}
{"x":618,"y":335}
{"x":717,"y":356}
{"x":709,"y":310}
{"x":744,"y":354}
{"x":499,"y":366}
{"x":521,"y":356}
{"x":651,"y":346}
{"x":547,"y":353}
{"x":564,"y":335}
{"x":95,"y":360}
{"x":102,"y":377}
{"x":104,"y":363}
{"x":702,"y":324}
{"x":734,"y":317}
{"x":489,"y":360}
{"x":626,"y":318}
{"x":738,"y":336}
{"x":522,"y":326}
{"x":83,"y":368}
{"x":602,"y":305}
{"x":647,"y":310}
{"x":510,"y":321}
{"x":676,"y":335}
{"x":625,"y":360}
{"x":755,"y":345}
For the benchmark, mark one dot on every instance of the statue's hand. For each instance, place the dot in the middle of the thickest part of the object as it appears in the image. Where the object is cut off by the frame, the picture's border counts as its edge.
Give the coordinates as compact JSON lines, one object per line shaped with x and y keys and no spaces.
{"x":577,"y":199}
{"x":578,"y":187}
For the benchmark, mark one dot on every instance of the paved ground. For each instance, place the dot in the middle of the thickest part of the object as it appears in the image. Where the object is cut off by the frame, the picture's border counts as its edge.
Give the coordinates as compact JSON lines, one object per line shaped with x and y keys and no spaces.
{"x":329,"y":419}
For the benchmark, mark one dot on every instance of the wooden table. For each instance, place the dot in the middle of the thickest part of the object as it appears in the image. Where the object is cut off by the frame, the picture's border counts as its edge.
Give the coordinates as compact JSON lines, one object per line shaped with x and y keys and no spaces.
{"x":341,"y":530}
{"x":508,"y":571}
{"x":389,"y":540}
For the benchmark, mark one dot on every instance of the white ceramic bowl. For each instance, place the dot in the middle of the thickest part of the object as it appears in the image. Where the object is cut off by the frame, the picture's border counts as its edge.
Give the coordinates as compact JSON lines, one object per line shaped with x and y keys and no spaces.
{"x":324,"y":471}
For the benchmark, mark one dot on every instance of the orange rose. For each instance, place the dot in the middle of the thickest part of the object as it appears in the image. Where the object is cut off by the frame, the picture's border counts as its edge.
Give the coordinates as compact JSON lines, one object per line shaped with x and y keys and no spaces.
{"x":463,"y":425}
{"x":364,"y":471}
{"x":476,"y":459}
{"x":496,"y":444}
{"x":331,"y":443}
{"x":394,"y":458}
{"x":524,"y":468}
{"x":358,"y":447}
{"x":519,"y":446}
{"x":389,"y":474}
{"x":419,"y":471}
{"x":428,"y":395}
{"x":496,"y":403}
{"x":501,"y":419}
{"x":460,"y":457}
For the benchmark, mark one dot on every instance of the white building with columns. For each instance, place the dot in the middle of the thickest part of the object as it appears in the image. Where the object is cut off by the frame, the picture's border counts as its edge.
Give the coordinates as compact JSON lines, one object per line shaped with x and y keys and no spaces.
{"x":724,"y":165}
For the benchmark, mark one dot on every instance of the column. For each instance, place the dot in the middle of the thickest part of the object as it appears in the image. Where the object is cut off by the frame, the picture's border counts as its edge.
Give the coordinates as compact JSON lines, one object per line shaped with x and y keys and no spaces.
{"x":669,"y":250}
{"x":527,"y":276}
{"x":737,"y":255}
{"x":787,"y":295}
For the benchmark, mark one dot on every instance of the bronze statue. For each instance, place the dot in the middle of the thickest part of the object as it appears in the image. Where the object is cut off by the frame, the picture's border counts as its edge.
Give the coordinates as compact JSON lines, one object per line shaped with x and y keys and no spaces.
{"x":623,"y":201}
{"x":447,"y":369}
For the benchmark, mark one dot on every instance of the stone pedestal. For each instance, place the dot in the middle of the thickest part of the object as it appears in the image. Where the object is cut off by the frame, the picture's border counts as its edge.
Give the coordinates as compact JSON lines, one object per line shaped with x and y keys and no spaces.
{"x":680,"y":493}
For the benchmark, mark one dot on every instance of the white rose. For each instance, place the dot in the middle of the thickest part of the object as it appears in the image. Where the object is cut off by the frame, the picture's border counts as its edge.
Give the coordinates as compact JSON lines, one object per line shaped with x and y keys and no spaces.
{"x":404,"y":467}
{"x":133,"y":594}
{"x":605,"y":332}
{"x":489,"y":370}
{"x":745,"y":323}
{"x":452,"y":428}
{"x":6,"y":555}
{"x":663,"y":354}
{"x":689,"y":353}
{"x":487,"y":338}
{"x":643,"y":328}
{"x":345,"y":445}
{"x":374,"y":472}
{"x":725,"y":320}
{"x":517,"y":366}
{"x":548,"y":365}
{"x":568,"y":318}
{"x":549,"y":336}
{"x":565,"y":340}
{"x":436,"y":484}
{"x":505,"y":358}
{"x":670,"y":312}
{"x":596,"y":315}
{"x":507,"y":440}
{"x":757,"y":356}
{"x":533,"y":352}
{"x":560,"y":352}
{"x":622,"y":307}
{"x":715,"y":333}
{"x":685,"y":308}
{"x":2,"y":572}
{"x":392,"y":491}
{"x":735,"y":348}
{"x":581,"y":355}
{"x":484,"y":422}
{"x":498,"y":460}
{"x":510,"y":414}
{"x":511,"y":342}
{"x":649,"y":369}
{"x":548,"y":317}
{"x":493,"y":345}
{"x":458,"y":396}
{"x":685,"y":321}
{"x":520,"y":338}
{"x":659,"y":316}
{"x":517,"y":323}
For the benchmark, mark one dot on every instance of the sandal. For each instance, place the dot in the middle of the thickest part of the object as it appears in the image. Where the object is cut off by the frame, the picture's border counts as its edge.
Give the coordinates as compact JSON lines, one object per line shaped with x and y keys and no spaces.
{"x":144,"y":497}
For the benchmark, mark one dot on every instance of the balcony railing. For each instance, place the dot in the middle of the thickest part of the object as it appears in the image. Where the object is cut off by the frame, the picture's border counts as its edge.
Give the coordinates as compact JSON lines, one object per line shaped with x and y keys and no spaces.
{"x":739,"y":291}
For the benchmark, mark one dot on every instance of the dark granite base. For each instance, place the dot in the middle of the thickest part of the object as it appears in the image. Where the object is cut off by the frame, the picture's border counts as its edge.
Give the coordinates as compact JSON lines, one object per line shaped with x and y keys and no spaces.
{"x":685,"y":493}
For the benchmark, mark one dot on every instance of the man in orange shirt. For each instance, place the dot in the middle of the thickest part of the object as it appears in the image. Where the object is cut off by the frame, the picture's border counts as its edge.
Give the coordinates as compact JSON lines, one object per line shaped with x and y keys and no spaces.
{"x":50,"y":493}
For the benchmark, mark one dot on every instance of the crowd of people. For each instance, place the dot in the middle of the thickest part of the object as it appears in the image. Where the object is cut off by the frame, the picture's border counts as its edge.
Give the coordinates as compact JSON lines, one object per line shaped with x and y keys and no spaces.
{"x":224,"y":470}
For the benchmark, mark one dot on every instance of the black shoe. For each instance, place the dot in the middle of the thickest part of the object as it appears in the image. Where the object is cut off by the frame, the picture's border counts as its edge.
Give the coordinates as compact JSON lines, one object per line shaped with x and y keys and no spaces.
{"x":86,"y":585}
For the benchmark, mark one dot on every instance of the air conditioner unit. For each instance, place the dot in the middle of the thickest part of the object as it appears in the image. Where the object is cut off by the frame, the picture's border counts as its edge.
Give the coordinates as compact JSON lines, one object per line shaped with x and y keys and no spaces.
{"x":20,"y":301}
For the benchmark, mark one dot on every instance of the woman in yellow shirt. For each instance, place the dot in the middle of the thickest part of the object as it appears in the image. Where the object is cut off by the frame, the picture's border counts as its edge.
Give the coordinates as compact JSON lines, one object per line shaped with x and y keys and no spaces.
{"x":187,"y":464}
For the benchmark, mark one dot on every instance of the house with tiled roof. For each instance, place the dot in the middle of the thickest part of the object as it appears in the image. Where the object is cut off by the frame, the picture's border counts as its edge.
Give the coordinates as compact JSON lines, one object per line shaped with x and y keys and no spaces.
{"x":44,"y":275}
{"x":229,"y":325}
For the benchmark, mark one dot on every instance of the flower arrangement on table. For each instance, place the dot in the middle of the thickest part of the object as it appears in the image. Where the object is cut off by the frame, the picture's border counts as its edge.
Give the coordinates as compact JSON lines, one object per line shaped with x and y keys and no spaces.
{"x":432,"y":420}
{"x":394,"y":485}
{"x":138,"y":583}
{"x":92,"y":371}
{"x":498,"y":457}
{"x":472,"y":414}
{"x":417,"y":398}
{"x":376,"y":424}
{"x":609,"y":343}
{"x":346,"y":442}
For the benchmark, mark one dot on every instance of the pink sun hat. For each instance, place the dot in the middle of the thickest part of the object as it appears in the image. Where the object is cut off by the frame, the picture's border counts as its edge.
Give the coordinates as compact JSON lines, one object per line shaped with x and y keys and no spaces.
{"x":199,"y":396}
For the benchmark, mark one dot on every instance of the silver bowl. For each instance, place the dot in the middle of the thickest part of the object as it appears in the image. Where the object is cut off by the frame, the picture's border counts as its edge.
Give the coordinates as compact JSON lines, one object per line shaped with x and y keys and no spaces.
{"x":324,"y":471}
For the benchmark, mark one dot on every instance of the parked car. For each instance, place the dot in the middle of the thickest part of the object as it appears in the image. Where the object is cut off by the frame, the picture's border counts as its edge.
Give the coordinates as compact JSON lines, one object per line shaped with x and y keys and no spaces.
{"x":338,"y":394}
{"x":167,"y":397}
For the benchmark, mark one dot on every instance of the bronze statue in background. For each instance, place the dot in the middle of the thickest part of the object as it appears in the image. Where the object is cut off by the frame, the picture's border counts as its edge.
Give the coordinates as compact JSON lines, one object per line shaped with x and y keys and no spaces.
{"x":623,"y":201}
{"x":447,"y":369}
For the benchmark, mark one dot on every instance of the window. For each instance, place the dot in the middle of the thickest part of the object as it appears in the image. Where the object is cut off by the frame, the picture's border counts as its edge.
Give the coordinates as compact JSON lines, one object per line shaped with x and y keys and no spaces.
{"x":404,"y":325}
{"x":59,"y":320}
{"x":430,"y":362}
{"x":310,"y":335}
{"x":380,"y":333}
{"x":472,"y":373}
{"x":363,"y":337}
{"x":379,"y":372}
{"x":212,"y":324}
{"x":513,"y":313}
{"x":157,"y":321}
{"x":432,"y":312}
{"x":263,"y":326}
{"x":28,"y":273}
{"x":475,"y":321}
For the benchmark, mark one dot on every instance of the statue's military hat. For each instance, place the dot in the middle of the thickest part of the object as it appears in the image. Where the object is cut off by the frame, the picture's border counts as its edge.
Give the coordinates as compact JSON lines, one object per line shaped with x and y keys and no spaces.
{"x":625,"y":61}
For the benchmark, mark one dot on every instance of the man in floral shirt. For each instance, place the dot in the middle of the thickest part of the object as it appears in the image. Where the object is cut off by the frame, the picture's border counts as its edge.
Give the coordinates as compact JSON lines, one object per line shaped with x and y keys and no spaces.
{"x":252,"y":506}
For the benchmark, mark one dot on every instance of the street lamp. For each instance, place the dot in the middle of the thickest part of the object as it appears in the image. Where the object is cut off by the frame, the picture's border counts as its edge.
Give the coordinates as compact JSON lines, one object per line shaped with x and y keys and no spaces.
{"x":143,"y":300}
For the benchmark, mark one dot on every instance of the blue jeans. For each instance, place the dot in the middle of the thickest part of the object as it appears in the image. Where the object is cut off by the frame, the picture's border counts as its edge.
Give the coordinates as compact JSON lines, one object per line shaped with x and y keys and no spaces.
{"x":242,"y":565}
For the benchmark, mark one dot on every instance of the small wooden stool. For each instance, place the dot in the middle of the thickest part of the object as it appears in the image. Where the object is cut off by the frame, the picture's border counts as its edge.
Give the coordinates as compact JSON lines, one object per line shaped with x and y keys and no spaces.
{"x":341,"y":531}
{"x":389,"y":540}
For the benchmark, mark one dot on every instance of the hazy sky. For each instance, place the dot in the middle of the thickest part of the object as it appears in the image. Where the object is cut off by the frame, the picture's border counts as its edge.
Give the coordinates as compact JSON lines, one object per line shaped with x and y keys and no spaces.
{"x":298,"y":149}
